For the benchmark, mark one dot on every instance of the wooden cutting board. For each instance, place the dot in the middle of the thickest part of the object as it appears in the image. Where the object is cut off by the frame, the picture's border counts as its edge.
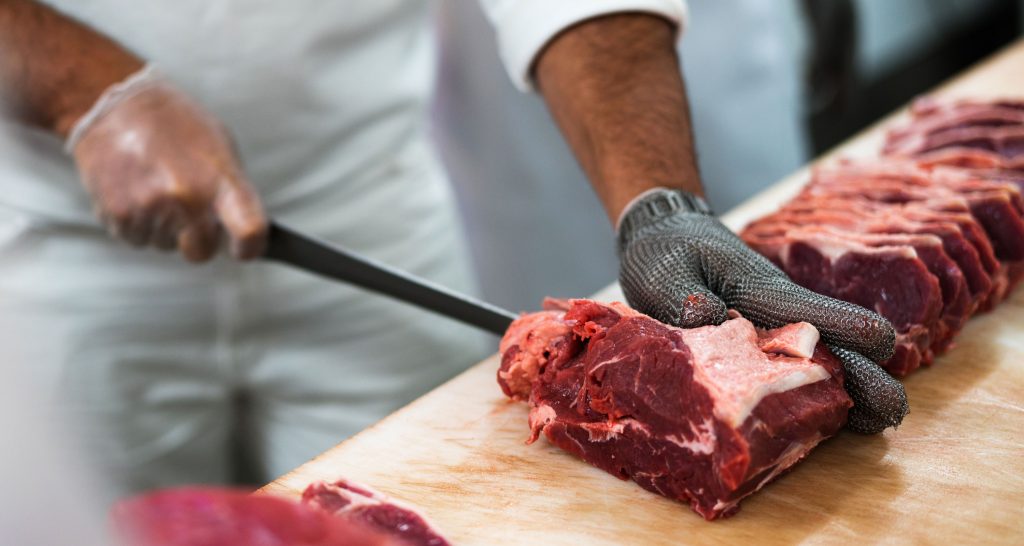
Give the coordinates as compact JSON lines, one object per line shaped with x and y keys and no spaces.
{"x":953,"y":473}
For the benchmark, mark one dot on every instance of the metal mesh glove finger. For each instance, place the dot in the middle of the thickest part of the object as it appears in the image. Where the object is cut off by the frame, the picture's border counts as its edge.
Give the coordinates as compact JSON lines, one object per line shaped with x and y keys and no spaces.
{"x":879,"y":400}
{"x":682,"y":266}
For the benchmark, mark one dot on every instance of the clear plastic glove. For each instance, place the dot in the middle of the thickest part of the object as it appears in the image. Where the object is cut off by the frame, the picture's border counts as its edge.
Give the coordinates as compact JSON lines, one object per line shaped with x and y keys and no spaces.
{"x":681,"y":266}
{"x":162,"y":172}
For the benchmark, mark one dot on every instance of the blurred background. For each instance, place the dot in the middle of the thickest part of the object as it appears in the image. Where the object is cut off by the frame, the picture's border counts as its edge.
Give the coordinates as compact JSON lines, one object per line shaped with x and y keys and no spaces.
{"x":772,"y":84}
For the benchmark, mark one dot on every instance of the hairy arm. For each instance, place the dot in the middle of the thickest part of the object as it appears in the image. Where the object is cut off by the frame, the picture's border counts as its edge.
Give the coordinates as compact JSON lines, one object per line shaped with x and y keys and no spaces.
{"x":614,"y":87}
{"x":52,"y":68}
{"x":160,"y":169}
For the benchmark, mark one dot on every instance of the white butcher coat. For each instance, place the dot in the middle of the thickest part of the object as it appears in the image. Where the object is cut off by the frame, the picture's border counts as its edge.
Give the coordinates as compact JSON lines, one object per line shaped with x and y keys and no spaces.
{"x":171,"y":368}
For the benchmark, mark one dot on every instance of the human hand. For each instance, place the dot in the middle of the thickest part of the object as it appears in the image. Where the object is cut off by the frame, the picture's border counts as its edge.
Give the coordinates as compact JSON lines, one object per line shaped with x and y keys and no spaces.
{"x":162,"y":172}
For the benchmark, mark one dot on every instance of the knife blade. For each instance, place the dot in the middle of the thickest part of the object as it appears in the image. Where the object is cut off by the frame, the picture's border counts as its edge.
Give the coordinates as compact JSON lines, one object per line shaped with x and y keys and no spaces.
{"x":314,"y":255}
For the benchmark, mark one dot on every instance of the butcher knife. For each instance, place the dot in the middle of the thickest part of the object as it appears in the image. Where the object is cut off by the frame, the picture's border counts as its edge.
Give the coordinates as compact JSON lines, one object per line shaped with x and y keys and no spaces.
{"x":320,"y":257}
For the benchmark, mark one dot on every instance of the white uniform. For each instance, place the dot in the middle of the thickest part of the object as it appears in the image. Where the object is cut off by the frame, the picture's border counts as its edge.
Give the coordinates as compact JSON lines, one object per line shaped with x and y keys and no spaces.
{"x":50,"y":497}
{"x":326,"y":102}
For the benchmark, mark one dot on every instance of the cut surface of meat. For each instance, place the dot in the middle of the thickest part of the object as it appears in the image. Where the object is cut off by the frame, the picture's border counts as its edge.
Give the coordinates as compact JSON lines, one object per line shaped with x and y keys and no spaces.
{"x":705,"y":416}
{"x":362,"y":505}
{"x":950,"y":211}
{"x":888,"y":220}
{"x":1006,"y":142}
{"x":891,"y":280}
{"x":972,"y":158}
{"x":997,"y":206}
{"x":957,"y":305}
{"x":996,"y":211}
{"x":206,"y":516}
{"x":955,"y":172}
{"x":964,"y":124}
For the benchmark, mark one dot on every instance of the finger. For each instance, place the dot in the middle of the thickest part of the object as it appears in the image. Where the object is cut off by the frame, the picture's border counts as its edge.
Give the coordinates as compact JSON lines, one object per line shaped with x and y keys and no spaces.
{"x":166,"y":229}
{"x":139,"y":230}
{"x":655,"y":283}
{"x":879,"y":400}
{"x":240,"y":213}
{"x":696,"y":305}
{"x":773,"y":301}
{"x":197,"y":241}
{"x":116,"y":228}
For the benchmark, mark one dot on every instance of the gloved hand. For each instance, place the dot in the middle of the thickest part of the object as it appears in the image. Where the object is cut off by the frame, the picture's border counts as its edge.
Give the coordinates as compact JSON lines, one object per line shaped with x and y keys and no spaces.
{"x":161,"y":171}
{"x":681,"y":266}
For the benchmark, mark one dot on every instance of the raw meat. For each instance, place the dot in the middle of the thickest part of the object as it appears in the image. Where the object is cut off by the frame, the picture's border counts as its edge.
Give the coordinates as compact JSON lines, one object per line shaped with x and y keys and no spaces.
{"x":991,"y":126}
{"x":203,"y":516}
{"x":705,"y":416}
{"x":935,"y":226}
{"x":970,"y":134}
{"x":962,"y":238}
{"x":1006,"y":142}
{"x":361,"y":504}
{"x":972,"y":158}
{"x":890,"y":279}
{"x":998,"y":207}
{"x":977,"y":280}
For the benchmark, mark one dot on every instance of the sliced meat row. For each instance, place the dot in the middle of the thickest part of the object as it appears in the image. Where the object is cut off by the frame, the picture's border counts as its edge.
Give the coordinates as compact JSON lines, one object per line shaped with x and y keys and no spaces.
{"x":994,"y":127}
{"x":927,"y":236}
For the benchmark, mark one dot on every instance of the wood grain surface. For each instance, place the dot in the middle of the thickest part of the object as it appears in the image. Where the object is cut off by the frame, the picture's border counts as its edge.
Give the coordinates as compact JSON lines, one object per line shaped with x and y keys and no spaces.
{"x":952,"y":474}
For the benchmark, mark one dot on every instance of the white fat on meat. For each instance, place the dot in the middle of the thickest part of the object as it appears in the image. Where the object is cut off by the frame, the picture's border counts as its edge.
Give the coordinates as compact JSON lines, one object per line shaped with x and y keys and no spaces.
{"x":608,"y":430}
{"x":704,"y":439}
{"x":359,"y":495}
{"x":738,"y":374}
{"x":833,"y":246}
{"x":796,"y":340}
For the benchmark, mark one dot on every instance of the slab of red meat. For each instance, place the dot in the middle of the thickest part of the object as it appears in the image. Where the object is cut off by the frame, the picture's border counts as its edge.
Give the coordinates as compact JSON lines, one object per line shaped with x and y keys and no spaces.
{"x":944,"y":214}
{"x":992,"y":174}
{"x":971,"y":158}
{"x":955,"y":172}
{"x":891,"y":280}
{"x":363,"y":505}
{"x":705,"y":416}
{"x":1005,"y":142}
{"x":957,"y":305}
{"x":888,"y":219}
{"x":205,"y":516}
{"x":998,"y":207}
{"x":995,"y":211}
{"x":962,"y":124}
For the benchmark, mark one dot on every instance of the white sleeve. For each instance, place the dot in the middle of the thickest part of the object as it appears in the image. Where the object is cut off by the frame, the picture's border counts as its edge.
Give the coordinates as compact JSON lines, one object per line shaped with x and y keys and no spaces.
{"x":524,"y":27}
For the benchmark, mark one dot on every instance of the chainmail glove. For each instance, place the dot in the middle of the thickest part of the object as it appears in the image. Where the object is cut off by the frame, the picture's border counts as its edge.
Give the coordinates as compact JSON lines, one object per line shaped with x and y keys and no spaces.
{"x":681,"y":266}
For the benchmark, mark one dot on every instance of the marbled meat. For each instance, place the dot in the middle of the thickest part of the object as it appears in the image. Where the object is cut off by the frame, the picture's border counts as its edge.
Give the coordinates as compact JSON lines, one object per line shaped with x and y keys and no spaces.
{"x":706,"y":416}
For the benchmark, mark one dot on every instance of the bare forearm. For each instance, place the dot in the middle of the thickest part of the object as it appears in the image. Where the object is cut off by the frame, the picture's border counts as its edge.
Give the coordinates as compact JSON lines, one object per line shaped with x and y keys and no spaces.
{"x":52,"y":68}
{"x":614,"y":87}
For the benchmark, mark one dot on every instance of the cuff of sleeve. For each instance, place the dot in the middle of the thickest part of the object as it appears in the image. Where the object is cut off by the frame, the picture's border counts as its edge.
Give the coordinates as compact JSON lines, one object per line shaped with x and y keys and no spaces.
{"x":524,"y":27}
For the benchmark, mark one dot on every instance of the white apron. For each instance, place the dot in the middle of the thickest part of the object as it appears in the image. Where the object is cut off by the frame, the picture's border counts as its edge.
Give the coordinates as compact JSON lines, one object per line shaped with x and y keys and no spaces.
{"x":325,"y":100}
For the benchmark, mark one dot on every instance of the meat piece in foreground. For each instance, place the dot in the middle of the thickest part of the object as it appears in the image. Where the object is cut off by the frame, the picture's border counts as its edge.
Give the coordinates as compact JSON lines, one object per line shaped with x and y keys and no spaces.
{"x":206,"y":516}
{"x":705,"y":416}
{"x":362,"y":505}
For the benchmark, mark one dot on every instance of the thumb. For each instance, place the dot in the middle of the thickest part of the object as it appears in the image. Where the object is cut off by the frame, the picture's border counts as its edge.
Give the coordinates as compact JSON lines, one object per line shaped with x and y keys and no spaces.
{"x":668,"y":288}
{"x":240,"y":212}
